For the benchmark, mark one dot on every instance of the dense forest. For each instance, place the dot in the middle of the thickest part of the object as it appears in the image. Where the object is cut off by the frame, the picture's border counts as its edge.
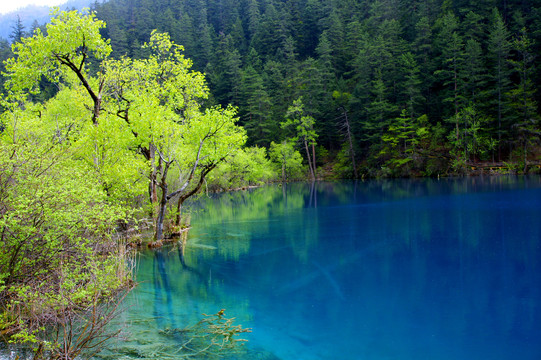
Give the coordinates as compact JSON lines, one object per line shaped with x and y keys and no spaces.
{"x":410,"y":87}
{"x":390,"y":87}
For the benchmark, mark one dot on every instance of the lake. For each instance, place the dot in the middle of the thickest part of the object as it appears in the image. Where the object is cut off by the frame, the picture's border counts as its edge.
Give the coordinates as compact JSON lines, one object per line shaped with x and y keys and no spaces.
{"x":392,"y":269}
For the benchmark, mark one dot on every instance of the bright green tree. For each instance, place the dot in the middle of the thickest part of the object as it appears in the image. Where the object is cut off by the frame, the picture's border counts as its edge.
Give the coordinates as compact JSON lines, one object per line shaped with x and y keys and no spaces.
{"x":301,"y":126}
{"x":148,"y":108}
{"x":58,"y":57}
{"x":289,"y":160}
{"x":158,"y":100}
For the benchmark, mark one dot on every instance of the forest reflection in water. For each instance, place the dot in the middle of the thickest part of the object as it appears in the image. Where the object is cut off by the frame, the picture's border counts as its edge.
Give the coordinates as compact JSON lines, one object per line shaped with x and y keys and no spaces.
{"x":409,"y":269}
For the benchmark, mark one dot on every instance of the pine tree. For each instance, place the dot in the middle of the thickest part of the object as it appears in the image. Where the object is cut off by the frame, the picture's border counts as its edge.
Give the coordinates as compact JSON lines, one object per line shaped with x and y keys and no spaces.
{"x":410,"y":90}
{"x":333,"y":28}
{"x":233,"y":64}
{"x":311,"y":28}
{"x":522,"y":95}
{"x":424,"y":50}
{"x":498,"y":75}
{"x":256,"y":109}
{"x":474,"y":72}
{"x":17,"y":31}
{"x":379,"y":113}
{"x":254,"y":18}
{"x":451,"y":64}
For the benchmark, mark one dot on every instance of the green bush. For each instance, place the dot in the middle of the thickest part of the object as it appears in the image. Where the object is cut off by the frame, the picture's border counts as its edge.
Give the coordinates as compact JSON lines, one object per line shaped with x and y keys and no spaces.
{"x":57,"y":256}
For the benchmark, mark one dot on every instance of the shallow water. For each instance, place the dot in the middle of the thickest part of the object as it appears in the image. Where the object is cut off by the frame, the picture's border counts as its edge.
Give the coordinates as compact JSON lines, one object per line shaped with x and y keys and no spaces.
{"x":402,"y":269}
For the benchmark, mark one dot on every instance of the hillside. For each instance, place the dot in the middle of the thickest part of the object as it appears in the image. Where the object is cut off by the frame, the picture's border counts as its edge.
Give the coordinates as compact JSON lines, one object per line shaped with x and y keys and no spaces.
{"x":390,"y":87}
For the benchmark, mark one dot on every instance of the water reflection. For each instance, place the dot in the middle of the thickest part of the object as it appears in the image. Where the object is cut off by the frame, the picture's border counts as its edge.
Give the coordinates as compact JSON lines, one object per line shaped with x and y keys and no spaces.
{"x":408,"y":269}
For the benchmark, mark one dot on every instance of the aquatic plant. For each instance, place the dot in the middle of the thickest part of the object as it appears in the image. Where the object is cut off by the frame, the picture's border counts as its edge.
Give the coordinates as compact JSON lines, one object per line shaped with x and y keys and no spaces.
{"x":213,"y":336}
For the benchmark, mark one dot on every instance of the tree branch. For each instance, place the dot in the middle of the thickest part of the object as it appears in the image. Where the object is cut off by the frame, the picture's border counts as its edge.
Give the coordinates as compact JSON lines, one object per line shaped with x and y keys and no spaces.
{"x":96,"y":98}
{"x":192,"y":172}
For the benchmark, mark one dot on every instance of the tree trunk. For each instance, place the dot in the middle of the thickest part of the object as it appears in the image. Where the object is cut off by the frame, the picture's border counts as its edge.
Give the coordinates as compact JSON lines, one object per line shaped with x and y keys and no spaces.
{"x":314,"y":158}
{"x":178,"y":218}
{"x":153,"y":177}
{"x":163,"y":169}
{"x":195,"y":190}
{"x":284,"y":159}
{"x":350,"y":141}
{"x":158,"y":235}
{"x":312,"y":173}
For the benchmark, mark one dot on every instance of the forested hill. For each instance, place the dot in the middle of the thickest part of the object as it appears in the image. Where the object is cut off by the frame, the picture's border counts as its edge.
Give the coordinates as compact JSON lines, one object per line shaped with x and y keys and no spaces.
{"x":410,"y":77}
{"x":393,"y":85}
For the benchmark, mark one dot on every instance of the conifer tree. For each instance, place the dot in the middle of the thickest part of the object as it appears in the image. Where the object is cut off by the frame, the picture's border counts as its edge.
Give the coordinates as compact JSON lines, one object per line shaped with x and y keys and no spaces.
{"x":17,"y":31}
{"x":498,"y":75}
{"x":451,"y":64}
{"x":522,"y":99}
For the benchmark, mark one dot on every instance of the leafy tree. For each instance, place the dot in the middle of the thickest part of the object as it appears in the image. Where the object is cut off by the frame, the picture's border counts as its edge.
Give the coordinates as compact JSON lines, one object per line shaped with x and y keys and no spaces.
{"x":149,"y":107}
{"x":247,"y":167}
{"x":55,"y":56}
{"x":158,"y":100}
{"x":302,"y":127}
{"x":288,"y":159}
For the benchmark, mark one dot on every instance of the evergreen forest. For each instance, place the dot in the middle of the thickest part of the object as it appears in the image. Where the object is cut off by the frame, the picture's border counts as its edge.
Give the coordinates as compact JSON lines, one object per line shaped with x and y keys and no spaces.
{"x":390,"y":87}
{"x":394,"y":88}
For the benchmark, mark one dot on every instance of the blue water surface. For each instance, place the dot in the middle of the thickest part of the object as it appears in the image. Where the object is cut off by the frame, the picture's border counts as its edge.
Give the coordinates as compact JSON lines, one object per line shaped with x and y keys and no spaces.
{"x":396,"y":269}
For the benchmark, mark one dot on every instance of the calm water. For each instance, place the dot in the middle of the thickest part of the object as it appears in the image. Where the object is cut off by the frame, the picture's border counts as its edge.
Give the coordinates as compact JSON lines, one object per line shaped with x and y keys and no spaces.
{"x":403,"y":269}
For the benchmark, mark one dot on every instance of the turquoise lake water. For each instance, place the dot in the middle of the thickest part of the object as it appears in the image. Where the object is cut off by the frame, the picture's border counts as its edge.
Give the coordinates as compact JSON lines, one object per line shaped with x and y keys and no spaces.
{"x":401,"y":269}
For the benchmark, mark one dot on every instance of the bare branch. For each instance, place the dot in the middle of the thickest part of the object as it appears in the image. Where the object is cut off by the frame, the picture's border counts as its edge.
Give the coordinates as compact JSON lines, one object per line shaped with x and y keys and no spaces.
{"x":192,"y":172}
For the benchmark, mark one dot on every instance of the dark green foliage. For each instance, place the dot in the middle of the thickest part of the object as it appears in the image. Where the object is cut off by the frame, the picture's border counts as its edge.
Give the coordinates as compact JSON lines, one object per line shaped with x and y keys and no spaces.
{"x":431,"y":57}
{"x":5,"y":53}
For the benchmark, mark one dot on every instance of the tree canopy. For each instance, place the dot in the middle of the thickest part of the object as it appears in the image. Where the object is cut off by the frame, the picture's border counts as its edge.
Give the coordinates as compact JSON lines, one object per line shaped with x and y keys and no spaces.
{"x":432,"y":58}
